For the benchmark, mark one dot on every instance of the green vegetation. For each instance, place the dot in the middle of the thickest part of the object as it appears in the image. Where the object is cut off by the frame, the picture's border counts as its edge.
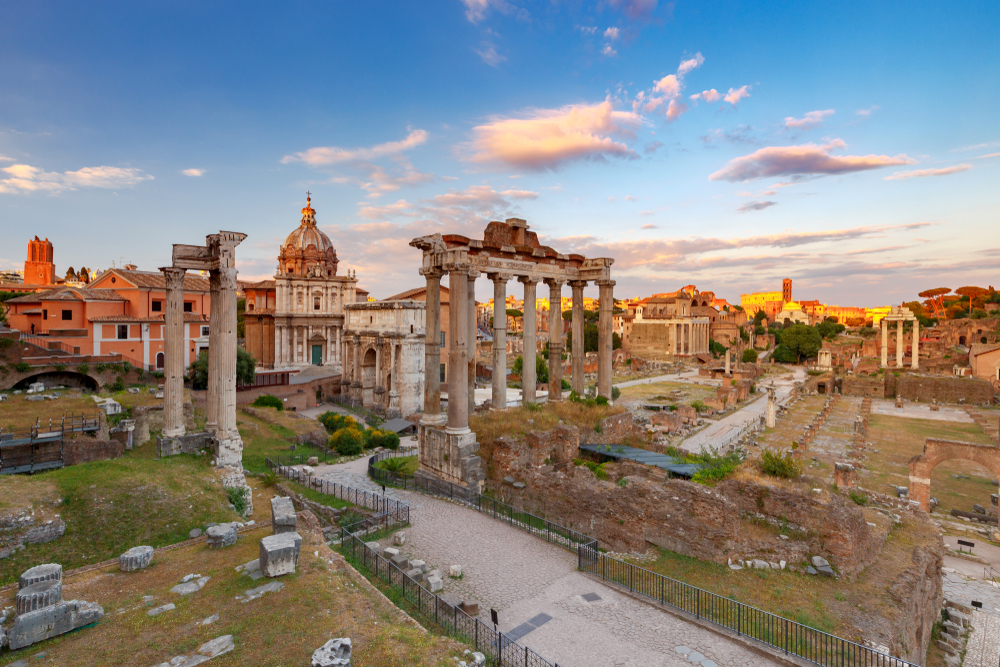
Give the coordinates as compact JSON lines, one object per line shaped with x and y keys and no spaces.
{"x":749,"y":356}
{"x":716,"y":348}
{"x":858,"y":497}
{"x":380,"y":438}
{"x":269,"y":401}
{"x":402,"y":465}
{"x":597,"y":469}
{"x":238,"y":498}
{"x":246,"y":369}
{"x":541,"y":369}
{"x":333,"y":421}
{"x":777,"y":465}
{"x":590,"y":338}
{"x":699,"y":406}
{"x":714,"y":468}
{"x":348,"y":441}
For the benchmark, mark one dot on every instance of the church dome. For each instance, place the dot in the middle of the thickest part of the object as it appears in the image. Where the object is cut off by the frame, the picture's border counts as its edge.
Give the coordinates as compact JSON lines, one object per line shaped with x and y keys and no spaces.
{"x":307,"y":250}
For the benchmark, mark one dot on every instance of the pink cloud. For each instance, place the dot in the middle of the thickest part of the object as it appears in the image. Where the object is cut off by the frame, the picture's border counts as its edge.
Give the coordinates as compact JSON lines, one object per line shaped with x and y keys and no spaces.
{"x":548,"y":138}
{"x":802,"y":160}
{"x":25,"y":178}
{"x":922,"y":173}
{"x":810,"y":120}
{"x":669,"y":86}
{"x":735,"y":95}
{"x":635,"y":9}
{"x":611,"y":34}
{"x":326,"y":155}
{"x":675,"y":109}
{"x":708,"y":95}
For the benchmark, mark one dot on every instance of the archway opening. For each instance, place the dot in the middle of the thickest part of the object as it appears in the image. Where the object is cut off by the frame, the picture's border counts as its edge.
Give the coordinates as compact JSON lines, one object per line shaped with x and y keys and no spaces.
{"x":961,"y":340}
{"x":52,"y":379}
{"x":368,"y":372}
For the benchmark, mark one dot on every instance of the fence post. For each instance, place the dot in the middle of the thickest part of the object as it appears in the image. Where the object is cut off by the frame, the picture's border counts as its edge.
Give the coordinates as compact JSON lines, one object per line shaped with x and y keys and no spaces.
{"x":697,"y":603}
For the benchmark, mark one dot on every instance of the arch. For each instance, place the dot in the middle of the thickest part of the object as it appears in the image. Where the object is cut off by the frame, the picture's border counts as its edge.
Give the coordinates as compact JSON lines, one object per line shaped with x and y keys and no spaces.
{"x":938,"y":451}
{"x":368,"y":379}
{"x":961,"y":340}
{"x":159,"y":360}
{"x":57,"y":378}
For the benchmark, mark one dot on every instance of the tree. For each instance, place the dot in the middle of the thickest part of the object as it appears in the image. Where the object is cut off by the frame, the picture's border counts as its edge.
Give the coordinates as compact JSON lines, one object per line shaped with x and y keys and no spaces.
{"x":541,"y":369}
{"x":829,"y":329}
{"x":935,"y":299}
{"x":749,"y":356}
{"x":802,"y":340}
{"x":241,"y":307}
{"x":512,"y":312}
{"x":591,"y":336}
{"x":246,"y":369}
{"x":784,"y":355}
{"x":972,"y":293}
{"x":70,"y":274}
{"x":759,"y":317}
{"x":716,"y":348}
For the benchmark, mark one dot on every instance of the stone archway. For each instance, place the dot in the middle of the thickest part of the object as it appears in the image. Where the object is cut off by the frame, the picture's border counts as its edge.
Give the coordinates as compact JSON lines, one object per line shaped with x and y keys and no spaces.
{"x":938,"y":451}
{"x":53,"y":378}
{"x":368,"y":372}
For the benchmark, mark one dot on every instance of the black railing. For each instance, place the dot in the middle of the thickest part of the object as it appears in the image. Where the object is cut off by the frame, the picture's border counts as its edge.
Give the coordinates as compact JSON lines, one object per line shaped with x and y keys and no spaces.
{"x":265,"y":379}
{"x":498,"y":649}
{"x":781,"y":633}
{"x":373,"y":501}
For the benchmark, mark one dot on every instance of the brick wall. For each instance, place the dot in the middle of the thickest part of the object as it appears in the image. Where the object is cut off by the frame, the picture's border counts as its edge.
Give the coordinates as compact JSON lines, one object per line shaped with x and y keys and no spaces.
{"x":944,"y":389}
{"x":86,"y":450}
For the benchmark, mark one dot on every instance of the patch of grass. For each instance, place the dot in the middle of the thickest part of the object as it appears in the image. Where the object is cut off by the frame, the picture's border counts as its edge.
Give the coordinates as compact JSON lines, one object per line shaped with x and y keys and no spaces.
{"x":317,"y":496}
{"x":858,"y":498}
{"x":406,"y":465}
{"x":776,"y":465}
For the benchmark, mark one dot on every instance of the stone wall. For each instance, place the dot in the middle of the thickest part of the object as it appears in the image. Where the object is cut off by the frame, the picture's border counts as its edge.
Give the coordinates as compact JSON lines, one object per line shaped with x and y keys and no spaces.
{"x":450,"y":457}
{"x":944,"y":389}
{"x":615,"y":430}
{"x":86,"y":450}
{"x":858,"y":386}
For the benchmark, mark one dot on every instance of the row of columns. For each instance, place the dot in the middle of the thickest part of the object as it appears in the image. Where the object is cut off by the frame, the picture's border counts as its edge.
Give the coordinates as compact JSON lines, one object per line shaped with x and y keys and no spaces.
{"x":915,"y":359}
{"x":287,"y":297}
{"x":690,"y":338}
{"x":461,"y":345}
{"x":288,"y":339}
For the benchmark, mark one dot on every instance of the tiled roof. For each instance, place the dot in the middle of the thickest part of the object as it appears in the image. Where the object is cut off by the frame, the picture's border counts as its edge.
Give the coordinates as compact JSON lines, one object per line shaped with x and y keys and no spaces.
{"x":417,"y":291}
{"x":70,"y":294}
{"x":127,"y":319}
{"x":982,"y":348}
{"x":156,"y":280}
{"x":263,"y":284}
{"x":259,"y":311}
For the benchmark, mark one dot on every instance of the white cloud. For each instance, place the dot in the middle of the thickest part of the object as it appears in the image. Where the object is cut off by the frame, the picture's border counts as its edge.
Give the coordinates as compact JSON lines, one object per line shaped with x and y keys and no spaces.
{"x":988,"y":155}
{"x":193,"y":172}
{"x":490,"y":56}
{"x":688,"y":65}
{"x":802,"y":160}
{"x":611,"y":34}
{"x":648,"y":225}
{"x":4,"y":158}
{"x":737,"y":94}
{"x":921,"y":173}
{"x":865,"y":113}
{"x":810,"y":120}
{"x":708,"y":95}
{"x":25,"y":178}
{"x":608,"y":51}
{"x":476,"y":10}
{"x":669,"y":85}
{"x":675,"y":109}
{"x":588,"y":30}
{"x":324,"y":155}
{"x":631,"y":198}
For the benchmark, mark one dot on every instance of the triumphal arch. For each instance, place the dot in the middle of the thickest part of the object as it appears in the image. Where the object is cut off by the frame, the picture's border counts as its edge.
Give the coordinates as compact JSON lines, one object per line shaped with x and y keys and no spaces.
{"x":508,"y":250}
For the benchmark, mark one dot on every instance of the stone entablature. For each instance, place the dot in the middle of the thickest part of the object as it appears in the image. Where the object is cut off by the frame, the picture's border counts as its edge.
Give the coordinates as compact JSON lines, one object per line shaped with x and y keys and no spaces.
{"x":384,"y":345}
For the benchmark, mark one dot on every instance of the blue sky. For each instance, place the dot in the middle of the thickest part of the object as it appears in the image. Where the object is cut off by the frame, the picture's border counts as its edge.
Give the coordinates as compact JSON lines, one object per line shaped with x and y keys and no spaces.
{"x":853,"y":147}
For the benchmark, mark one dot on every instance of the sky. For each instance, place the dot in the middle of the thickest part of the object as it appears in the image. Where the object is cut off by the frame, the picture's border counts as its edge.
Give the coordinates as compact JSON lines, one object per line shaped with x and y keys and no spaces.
{"x":851,"y":146}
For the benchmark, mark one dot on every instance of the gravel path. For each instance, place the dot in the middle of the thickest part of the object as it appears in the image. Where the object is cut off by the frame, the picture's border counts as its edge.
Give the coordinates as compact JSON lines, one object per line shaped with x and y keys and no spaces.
{"x":525,"y":578}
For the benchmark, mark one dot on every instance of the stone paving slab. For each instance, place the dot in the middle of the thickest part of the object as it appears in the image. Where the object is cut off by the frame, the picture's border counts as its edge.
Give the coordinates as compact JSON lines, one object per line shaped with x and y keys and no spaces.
{"x":983,"y":649}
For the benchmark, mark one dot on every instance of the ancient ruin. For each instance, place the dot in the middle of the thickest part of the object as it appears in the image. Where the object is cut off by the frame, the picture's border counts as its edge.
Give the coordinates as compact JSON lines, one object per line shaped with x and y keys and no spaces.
{"x":508,"y":250}
{"x":937,"y":451}
{"x":899,"y":316}
{"x":218,"y":257}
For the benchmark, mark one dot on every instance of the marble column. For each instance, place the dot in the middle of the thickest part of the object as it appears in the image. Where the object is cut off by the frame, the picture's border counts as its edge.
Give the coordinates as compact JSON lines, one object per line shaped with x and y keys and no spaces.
{"x":605,"y":339}
{"x":899,"y":343}
{"x":499,"y":398}
{"x":915,"y":361}
{"x":530,"y":347}
{"x":230,"y":445}
{"x":578,"y":353}
{"x":458,"y":350}
{"x":885,"y":343}
{"x":214,"y":324}
{"x":175,"y":354}
{"x":432,"y":344}
{"x":378,"y":371}
{"x":357,"y":394}
{"x":555,"y":339}
{"x":473,"y":325}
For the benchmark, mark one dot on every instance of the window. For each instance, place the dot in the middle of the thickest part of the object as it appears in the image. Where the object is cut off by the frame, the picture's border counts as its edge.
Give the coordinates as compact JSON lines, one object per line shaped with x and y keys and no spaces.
{"x":157,"y":307}
{"x":68,"y":315}
{"x":315,"y":303}
{"x":159,"y":360}
{"x":204,"y":331}
{"x":250,"y":305}
{"x":442,"y":373}
{"x":442,"y":339}
{"x":122,"y":331}
{"x":45,"y":314}
{"x":189,"y":306}
{"x":411,"y":328}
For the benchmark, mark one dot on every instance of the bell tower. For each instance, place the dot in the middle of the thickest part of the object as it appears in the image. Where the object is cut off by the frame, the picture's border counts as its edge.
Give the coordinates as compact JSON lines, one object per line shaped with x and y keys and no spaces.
{"x":786,"y":290}
{"x":38,"y":267}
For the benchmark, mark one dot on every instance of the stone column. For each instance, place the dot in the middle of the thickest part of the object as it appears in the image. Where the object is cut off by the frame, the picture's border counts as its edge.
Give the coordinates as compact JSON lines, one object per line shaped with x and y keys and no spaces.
{"x":499,"y":340}
{"x":555,"y":339}
{"x":458,"y":350}
{"x":175,"y":354}
{"x":899,"y":343}
{"x":885,"y":343}
{"x":772,"y":407}
{"x":214,"y":326}
{"x":357,"y":394}
{"x":432,"y":344}
{"x":530,"y":331}
{"x":915,"y":361}
{"x":579,"y":346}
{"x":230,"y":446}
{"x":729,"y":355}
{"x":473,"y":325}
{"x":605,"y":338}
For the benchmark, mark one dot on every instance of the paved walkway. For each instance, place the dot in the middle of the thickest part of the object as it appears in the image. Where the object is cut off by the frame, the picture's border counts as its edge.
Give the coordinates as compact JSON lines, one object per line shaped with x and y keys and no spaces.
{"x":525,"y":578}
{"x":983,"y":649}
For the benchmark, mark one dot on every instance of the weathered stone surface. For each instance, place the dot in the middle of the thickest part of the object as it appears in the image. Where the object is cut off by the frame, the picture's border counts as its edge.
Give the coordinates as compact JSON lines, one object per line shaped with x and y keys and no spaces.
{"x":470,"y":608}
{"x":156,"y":611}
{"x":434,"y":584}
{"x":38,"y":596}
{"x":401,"y":562}
{"x":135,"y":558}
{"x":255,"y":593}
{"x":47,"y":532}
{"x":195,"y":532}
{"x":334,"y":653}
{"x":279,"y":554}
{"x":282,"y":515}
{"x":313,"y":461}
{"x":40,"y":573}
{"x":374,"y":546}
{"x":190,"y":584}
{"x":819,"y":561}
{"x":419,"y":564}
{"x":52,"y":621}
{"x":399,"y":539}
{"x":205,"y":652}
{"x":455,"y":571}
{"x":389,"y":552}
{"x":223,"y":535}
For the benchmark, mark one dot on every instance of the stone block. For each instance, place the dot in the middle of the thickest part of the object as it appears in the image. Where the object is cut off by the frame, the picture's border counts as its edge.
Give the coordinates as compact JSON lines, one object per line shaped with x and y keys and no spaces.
{"x":819,"y":561}
{"x":334,"y":653}
{"x":283,"y":518}
{"x":415,"y":573}
{"x":39,"y":573}
{"x":419,"y":564}
{"x":135,"y":558}
{"x":401,"y":562}
{"x":374,"y":546}
{"x":52,"y":621}
{"x":313,"y":461}
{"x":279,"y":554}
{"x":470,"y":608}
{"x":434,"y":584}
{"x":38,"y":596}
{"x":223,"y":535}
{"x":455,"y":571}
{"x":306,"y":470}
{"x":195,"y":533}
{"x":399,"y":539}
{"x":156,"y":611}
{"x":389,"y":552}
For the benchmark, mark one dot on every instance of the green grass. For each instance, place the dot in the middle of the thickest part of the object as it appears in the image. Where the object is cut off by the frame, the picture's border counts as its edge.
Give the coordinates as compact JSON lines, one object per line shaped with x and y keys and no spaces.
{"x":409,"y":464}
{"x":263,"y":440}
{"x":316,"y":496}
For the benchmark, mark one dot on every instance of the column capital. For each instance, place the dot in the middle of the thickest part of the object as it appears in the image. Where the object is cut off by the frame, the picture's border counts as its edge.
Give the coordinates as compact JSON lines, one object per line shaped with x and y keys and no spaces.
{"x":555,"y":283}
{"x":578,"y":284}
{"x":528,"y":280}
{"x":500,"y":277}
{"x":431,"y":272}
{"x":457,"y":267}
{"x":227,"y":277}
{"x":474,"y":273}
{"x":173,"y":276}
{"x":605,"y":283}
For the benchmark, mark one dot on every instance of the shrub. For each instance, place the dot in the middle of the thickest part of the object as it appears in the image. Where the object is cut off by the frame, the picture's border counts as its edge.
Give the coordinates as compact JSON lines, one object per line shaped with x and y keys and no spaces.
{"x":380,"y":438}
{"x":333,"y":422}
{"x":269,"y":478}
{"x":83,"y":369}
{"x":777,"y":465}
{"x":615,"y":393}
{"x":858,"y":498}
{"x":268,"y":401}
{"x":59,"y":368}
{"x":22,"y":367}
{"x":238,"y":498}
{"x":601,"y":400}
{"x":699,"y":406}
{"x":714,"y":468}
{"x":749,"y":356}
{"x":597,"y":469}
{"x":118,"y":385}
{"x":393,"y":465}
{"x":348,"y":442}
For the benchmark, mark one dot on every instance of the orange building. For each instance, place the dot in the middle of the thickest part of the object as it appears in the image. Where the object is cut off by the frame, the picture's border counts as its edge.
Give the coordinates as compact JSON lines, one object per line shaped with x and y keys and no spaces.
{"x":120,"y":312}
{"x":39,"y":269}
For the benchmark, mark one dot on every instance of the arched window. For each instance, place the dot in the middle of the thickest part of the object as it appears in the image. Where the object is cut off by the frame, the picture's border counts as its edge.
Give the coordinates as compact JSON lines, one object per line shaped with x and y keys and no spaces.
{"x":250,"y":305}
{"x":159,"y":360}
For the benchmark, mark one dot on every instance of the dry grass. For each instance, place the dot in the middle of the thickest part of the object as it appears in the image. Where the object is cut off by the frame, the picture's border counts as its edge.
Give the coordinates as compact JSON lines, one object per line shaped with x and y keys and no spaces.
{"x":489,"y":426}
{"x":287,"y":420}
{"x":319,"y":602}
{"x":17,"y":412}
{"x":660,"y":392}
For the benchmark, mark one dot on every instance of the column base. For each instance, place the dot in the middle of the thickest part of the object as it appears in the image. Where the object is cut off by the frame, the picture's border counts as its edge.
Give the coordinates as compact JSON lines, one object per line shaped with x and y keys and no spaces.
{"x":173,"y":432}
{"x":190,"y":443}
{"x":450,"y":457}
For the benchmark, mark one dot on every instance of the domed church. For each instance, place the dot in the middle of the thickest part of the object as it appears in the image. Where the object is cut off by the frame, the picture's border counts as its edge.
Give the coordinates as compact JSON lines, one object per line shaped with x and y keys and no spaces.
{"x":297,"y":319}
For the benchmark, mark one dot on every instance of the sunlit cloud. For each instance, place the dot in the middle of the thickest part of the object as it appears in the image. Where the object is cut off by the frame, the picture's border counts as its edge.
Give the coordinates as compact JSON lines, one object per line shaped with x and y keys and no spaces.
{"x":648,"y":225}
{"x":193,"y":172}
{"x":921,"y":173}
{"x":865,"y":113}
{"x":611,"y":34}
{"x":810,"y":120}
{"x":988,"y":155}
{"x":707,"y":95}
{"x":802,"y":160}
{"x":608,"y":51}
{"x":4,"y":158}
{"x":25,"y":178}
{"x":326,"y":155}
{"x":490,"y":56}
{"x":736,"y":94}
{"x":635,"y":9}
{"x":476,"y":10}
{"x":547,"y":138}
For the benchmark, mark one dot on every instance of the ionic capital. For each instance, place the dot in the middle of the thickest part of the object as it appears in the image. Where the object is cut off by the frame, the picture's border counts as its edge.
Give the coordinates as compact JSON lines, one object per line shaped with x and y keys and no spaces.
{"x":174,"y":277}
{"x":554,"y":283}
{"x":605,"y":283}
{"x":528,"y":280}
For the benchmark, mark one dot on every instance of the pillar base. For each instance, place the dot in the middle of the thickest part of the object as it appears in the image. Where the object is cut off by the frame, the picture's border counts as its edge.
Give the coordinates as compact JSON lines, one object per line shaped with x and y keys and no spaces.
{"x":189,"y":443}
{"x":173,"y":432}
{"x":228,"y":448}
{"x":450,"y":457}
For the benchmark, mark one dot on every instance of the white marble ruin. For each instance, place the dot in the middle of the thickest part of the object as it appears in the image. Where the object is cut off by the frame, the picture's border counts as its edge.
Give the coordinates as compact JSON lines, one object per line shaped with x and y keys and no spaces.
{"x":279,"y":554}
{"x":41,"y":611}
{"x":900,"y":314}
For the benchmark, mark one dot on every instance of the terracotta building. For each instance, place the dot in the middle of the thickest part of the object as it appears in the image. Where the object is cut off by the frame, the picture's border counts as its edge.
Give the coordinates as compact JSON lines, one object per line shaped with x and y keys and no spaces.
{"x":39,"y":269}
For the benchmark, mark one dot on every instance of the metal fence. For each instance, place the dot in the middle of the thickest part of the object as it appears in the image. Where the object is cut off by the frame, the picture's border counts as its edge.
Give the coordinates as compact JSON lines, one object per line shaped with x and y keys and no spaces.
{"x":372,"y":501}
{"x":781,"y":633}
{"x":498,"y":649}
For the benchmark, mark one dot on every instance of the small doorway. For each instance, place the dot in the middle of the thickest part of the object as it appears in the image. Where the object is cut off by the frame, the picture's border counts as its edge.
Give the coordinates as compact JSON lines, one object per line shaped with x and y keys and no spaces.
{"x":159,"y":361}
{"x":317,"y":355}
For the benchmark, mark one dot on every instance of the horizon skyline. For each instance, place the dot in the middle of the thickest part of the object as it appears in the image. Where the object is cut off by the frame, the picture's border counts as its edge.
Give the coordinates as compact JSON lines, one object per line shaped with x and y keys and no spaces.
{"x":729,"y":147}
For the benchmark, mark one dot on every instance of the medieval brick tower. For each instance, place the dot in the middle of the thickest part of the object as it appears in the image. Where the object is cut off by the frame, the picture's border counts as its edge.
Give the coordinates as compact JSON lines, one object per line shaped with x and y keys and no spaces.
{"x":786,"y":290}
{"x":38,"y":267}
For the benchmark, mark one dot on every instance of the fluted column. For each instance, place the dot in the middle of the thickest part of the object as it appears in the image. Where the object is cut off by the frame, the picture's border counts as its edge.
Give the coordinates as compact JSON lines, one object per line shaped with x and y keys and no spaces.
{"x":214,"y":325}
{"x":555,"y":339}
{"x":528,"y":378}
{"x":174,"y":354}
{"x":499,"y":399}
{"x":458,"y":350}
{"x":885,"y":343}
{"x":915,"y":360}
{"x":226,"y":339}
{"x":471,"y":341}
{"x":899,"y":343}
{"x":578,"y":353}
{"x":432,"y":344}
{"x":605,"y":339}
